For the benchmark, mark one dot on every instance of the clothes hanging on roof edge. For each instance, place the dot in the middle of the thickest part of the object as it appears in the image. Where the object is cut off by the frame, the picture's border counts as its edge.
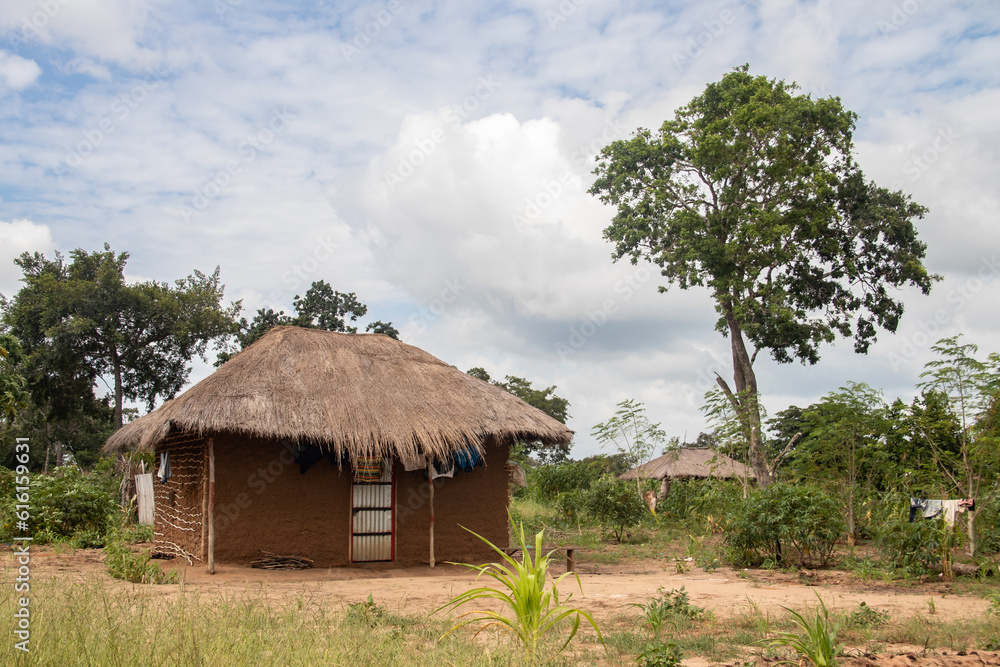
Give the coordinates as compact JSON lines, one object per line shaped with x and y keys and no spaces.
{"x":367,"y":469}
{"x":467,"y":459}
{"x":413,"y":462}
{"x":443,"y":469}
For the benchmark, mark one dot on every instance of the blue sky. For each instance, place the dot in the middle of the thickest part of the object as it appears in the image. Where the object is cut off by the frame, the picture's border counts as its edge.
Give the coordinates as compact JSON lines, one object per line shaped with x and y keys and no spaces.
{"x":434,"y":158}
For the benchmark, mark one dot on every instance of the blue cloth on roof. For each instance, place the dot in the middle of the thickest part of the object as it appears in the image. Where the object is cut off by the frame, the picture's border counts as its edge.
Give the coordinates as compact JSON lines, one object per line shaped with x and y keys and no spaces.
{"x":467,"y":459}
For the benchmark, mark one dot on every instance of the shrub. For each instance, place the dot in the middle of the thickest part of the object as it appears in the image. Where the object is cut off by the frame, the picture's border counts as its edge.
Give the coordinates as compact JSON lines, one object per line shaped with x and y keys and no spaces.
{"x":663,"y":607}
{"x":62,"y":504}
{"x":660,"y":654}
{"x":615,"y":505}
{"x":913,"y":547}
{"x":122,"y":562}
{"x":367,"y":613}
{"x":783,"y":523}
{"x":549,"y":482}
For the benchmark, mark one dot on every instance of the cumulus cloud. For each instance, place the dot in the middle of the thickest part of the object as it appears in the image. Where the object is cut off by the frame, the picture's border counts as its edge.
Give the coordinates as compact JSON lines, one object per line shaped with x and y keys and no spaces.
{"x":17,"y":237}
{"x":105,"y":29}
{"x":16,"y":72}
{"x":440,"y":169}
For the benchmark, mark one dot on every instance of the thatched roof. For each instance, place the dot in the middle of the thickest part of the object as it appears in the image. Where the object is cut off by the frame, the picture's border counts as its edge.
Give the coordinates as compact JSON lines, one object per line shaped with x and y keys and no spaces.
{"x":355,"y":394}
{"x":690,"y":462}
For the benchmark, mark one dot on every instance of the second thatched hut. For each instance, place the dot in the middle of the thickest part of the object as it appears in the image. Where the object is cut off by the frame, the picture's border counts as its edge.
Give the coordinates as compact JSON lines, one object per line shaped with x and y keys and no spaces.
{"x":687,"y":463}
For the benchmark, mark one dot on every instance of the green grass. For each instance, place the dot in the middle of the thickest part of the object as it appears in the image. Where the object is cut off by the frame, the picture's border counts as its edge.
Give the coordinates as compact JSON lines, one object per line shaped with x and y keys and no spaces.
{"x":110,"y":624}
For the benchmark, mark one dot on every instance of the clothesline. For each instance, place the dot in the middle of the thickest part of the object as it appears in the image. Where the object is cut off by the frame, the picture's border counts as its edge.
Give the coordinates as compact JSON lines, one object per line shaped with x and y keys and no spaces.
{"x":950,"y":508}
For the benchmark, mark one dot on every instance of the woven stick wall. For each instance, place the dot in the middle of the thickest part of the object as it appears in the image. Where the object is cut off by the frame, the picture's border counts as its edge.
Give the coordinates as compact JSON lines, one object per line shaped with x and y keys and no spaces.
{"x":178,"y":523}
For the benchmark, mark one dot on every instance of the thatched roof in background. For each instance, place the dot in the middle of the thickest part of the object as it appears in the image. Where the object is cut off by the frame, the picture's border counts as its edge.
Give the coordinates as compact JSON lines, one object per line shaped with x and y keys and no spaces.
{"x":359,"y":394}
{"x":689,"y":462}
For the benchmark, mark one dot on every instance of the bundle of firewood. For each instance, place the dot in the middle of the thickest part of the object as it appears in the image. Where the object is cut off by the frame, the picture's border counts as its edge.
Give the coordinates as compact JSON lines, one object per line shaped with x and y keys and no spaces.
{"x":271,"y":561}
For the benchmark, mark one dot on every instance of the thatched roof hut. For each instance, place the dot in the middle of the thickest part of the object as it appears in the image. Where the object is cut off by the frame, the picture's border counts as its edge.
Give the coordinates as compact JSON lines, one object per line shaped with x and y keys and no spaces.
{"x":385,"y":414}
{"x":353,"y":394}
{"x":689,"y":462}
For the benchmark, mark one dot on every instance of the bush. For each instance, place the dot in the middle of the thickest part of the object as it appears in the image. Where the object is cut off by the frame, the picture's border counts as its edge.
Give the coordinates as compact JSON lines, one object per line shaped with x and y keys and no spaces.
{"x":913,"y":547}
{"x":615,"y":505}
{"x":701,"y":503}
{"x":62,"y":504}
{"x":791,"y":524}
{"x":548,"y":482}
{"x":122,"y":562}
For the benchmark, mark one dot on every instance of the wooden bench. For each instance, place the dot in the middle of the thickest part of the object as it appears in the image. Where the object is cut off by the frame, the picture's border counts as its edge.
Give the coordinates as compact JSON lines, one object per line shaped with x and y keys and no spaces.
{"x":569,"y":550}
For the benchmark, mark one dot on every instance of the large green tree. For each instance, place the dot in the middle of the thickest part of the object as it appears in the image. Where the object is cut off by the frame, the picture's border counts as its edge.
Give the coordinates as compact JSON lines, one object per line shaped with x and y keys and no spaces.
{"x":13,"y":394}
{"x":80,"y":322}
{"x":321,"y":307}
{"x":545,"y":400}
{"x":752,"y":192}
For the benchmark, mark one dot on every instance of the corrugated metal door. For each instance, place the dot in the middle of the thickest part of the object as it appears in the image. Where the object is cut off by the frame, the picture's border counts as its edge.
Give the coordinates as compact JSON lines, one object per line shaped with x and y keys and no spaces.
{"x":372,"y":520}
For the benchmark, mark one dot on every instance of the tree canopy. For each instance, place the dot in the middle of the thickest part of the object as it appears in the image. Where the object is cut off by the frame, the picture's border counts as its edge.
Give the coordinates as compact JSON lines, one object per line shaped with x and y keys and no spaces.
{"x":80,"y":322}
{"x":545,"y":400}
{"x":752,"y":192}
{"x":320,"y":308}
{"x":13,"y":392}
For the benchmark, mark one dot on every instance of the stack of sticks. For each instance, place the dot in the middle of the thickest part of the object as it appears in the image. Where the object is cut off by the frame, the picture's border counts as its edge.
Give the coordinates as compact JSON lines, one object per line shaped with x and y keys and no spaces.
{"x":272,"y":561}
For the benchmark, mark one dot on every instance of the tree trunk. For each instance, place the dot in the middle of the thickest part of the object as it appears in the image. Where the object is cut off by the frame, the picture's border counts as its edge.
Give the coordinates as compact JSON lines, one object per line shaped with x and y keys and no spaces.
{"x":970,"y":522}
{"x":116,"y":362}
{"x":745,"y":401}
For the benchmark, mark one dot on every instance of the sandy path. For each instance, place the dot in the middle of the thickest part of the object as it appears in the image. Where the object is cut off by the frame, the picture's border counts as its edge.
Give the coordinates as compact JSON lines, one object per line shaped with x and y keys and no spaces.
{"x":422,"y":589}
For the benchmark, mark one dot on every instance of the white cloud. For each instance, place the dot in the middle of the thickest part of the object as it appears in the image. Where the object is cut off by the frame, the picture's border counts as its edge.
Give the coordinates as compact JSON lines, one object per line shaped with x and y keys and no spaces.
{"x":105,"y":29}
{"x":17,"y":72}
{"x":487,"y":250}
{"x":17,"y":237}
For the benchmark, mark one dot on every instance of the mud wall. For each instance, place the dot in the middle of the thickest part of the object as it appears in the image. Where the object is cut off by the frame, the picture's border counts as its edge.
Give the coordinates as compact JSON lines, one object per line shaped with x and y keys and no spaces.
{"x":263,"y":501}
{"x":476,"y":500}
{"x":177,"y":503}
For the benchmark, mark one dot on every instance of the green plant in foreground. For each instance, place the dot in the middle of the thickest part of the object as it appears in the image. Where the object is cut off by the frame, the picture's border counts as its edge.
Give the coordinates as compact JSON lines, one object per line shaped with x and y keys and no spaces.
{"x":656,"y":612}
{"x":535,"y":611}
{"x":660,"y":654}
{"x":366,"y":613}
{"x":867,"y":617}
{"x":817,"y":641}
{"x":122,"y":562}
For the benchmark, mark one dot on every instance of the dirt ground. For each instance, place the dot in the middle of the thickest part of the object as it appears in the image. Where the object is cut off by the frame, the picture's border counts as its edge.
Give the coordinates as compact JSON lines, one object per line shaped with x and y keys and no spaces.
{"x":606,"y":588}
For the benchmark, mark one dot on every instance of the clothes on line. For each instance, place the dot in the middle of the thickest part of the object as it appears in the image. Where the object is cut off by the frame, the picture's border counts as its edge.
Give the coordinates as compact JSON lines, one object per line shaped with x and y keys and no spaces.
{"x":949,"y":509}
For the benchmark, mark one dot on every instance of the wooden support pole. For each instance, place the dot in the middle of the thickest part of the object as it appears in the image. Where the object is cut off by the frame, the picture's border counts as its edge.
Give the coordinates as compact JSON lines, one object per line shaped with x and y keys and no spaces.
{"x":430,"y":480}
{"x":211,"y":506}
{"x":204,"y":508}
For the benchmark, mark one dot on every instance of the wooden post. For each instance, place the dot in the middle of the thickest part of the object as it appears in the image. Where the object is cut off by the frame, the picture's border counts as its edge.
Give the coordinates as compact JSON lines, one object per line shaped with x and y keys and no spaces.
{"x":204,"y":510}
{"x":211,"y":506}
{"x":430,"y":480}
